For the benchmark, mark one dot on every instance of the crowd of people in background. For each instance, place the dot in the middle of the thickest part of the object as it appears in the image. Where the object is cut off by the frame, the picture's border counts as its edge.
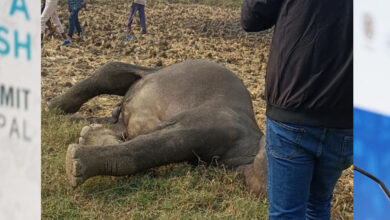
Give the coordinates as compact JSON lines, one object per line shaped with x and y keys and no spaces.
{"x":49,"y":17}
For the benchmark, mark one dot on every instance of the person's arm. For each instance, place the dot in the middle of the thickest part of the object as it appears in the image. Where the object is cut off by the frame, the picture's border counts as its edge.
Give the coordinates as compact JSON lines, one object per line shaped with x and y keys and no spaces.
{"x":258,"y":15}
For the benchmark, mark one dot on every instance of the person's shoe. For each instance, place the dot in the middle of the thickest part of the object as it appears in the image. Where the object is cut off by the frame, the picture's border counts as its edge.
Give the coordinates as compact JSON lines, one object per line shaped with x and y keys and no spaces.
{"x":66,"y":43}
{"x":80,"y":34}
{"x":143,"y":32}
{"x":128,"y":37}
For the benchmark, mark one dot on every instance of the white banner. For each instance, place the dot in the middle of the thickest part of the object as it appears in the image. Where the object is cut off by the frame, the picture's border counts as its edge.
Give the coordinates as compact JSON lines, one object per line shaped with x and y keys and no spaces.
{"x":372,"y":55}
{"x":20,"y":135}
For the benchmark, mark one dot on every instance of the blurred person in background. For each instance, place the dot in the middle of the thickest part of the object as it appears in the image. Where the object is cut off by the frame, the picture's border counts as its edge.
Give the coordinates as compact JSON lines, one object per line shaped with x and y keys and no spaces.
{"x":138,"y":5}
{"x":48,"y":23}
{"x":50,"y":12}
{"x":309,"y":101}
{"x":74,"y":6}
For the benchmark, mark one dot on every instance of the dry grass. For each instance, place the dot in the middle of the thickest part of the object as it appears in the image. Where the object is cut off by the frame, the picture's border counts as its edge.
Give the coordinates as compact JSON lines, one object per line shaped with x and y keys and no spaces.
{"x":176,"y":32}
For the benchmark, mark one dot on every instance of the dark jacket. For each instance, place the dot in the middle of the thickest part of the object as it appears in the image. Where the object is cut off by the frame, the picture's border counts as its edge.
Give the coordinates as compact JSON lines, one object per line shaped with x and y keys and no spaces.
{"x":309,"y":73}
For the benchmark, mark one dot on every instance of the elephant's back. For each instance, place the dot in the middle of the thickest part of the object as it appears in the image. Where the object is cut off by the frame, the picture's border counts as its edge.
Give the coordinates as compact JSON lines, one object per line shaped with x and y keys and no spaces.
{"x":198,"y":81}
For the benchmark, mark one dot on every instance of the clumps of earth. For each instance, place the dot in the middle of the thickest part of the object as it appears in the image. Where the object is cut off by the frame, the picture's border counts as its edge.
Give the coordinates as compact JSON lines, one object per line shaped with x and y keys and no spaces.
{"x":176,"y":33}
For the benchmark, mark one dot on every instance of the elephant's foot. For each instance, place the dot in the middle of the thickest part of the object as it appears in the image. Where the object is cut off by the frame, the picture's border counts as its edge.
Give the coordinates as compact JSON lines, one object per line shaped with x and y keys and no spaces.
{"x":65,"y":103}
{"x":76,"y":169}
{"x":97,"y":135}
{"x":84,"y":161}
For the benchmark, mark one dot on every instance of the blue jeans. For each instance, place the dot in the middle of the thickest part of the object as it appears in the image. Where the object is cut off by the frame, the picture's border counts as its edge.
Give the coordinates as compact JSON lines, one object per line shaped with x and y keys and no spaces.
{"x":304,"y":164}
{"x":74,"y":21}
{"x":141,"y":11}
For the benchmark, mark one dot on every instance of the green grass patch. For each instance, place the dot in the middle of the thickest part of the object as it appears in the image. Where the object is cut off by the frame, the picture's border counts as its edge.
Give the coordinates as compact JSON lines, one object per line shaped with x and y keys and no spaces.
{"x":178,"y":191}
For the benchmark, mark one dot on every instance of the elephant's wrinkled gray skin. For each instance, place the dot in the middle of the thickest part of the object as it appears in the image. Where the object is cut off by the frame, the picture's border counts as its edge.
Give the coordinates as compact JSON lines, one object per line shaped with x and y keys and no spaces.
{"x":191,"y":111}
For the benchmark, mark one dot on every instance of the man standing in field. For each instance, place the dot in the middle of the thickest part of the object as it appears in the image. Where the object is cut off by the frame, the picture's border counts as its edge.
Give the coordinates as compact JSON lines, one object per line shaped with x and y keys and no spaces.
{"x":309,"y":101}
{"x":138,"y":5}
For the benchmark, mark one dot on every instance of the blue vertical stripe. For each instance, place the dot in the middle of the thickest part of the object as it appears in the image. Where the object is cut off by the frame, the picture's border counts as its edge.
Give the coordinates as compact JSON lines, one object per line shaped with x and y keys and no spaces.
{"x":371,"y":153}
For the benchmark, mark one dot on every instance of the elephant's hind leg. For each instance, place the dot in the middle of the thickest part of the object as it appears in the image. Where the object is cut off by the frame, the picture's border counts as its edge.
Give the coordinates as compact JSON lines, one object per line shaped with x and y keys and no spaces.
{"x":113,"y":78}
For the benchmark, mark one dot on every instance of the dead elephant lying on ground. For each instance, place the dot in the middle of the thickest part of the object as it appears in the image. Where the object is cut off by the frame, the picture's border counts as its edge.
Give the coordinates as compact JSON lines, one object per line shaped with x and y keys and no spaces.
{"x":191,"y":111}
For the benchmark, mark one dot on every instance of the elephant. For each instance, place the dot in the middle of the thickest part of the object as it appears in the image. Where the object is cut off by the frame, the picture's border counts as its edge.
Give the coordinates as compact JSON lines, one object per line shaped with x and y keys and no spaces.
{"x":191,"y":111}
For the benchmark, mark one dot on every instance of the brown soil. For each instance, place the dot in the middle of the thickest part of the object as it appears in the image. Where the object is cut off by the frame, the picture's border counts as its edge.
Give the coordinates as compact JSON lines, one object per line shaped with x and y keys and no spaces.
{"x":176,"y":33}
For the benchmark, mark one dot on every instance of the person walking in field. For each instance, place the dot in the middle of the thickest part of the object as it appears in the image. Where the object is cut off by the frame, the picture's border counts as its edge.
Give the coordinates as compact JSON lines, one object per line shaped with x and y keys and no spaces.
{"x":50,"y":12}
{"x":309,"y":136}
{"x":138,"y":5}
{"x":74,"y":7}
{"x":48,"y":23}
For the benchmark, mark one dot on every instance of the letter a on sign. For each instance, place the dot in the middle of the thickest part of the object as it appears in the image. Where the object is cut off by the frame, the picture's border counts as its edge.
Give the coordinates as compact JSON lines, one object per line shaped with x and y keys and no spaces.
{"x":19,"y":6}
